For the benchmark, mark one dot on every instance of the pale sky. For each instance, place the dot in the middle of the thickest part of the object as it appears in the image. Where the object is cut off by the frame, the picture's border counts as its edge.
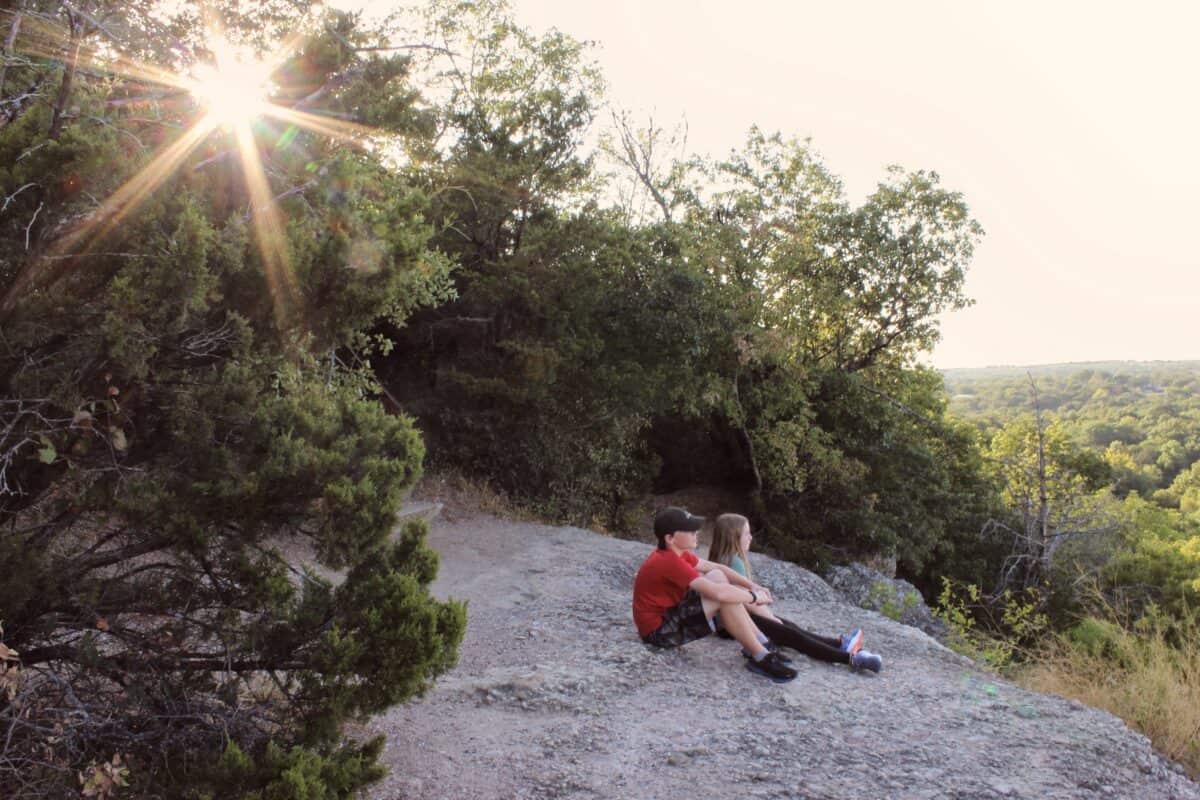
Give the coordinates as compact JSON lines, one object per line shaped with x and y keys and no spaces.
{"x":1072,"y":129}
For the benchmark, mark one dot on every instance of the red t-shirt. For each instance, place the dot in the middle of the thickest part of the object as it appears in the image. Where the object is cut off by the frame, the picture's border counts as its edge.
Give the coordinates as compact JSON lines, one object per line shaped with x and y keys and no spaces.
{"x":659,"y":586}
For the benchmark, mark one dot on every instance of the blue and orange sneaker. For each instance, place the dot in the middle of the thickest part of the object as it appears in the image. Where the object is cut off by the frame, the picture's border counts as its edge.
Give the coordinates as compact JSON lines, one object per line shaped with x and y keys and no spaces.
{"x":864,"y":660}
{"x":852,"y":642}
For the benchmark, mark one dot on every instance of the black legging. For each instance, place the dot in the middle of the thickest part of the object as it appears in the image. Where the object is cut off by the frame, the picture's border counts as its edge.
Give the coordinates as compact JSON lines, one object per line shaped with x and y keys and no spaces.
{"x":788,"y":634}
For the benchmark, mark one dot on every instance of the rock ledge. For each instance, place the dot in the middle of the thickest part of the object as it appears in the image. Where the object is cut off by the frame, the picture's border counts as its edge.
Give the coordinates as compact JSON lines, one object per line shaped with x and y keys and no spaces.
{"x":555,"y":697}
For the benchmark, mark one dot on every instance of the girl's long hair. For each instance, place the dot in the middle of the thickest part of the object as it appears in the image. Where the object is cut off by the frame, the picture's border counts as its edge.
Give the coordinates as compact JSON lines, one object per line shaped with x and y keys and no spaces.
{"x":727,"y":541}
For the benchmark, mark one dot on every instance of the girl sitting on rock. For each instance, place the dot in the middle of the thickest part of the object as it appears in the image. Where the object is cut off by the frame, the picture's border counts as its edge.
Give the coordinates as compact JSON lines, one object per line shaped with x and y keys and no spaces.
{"x":730,"y":546}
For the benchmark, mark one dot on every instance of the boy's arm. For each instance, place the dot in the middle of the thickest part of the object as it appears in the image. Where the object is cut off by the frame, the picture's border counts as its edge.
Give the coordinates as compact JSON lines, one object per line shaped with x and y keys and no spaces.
{"x":727,"y":593}
{"x":735,"y":577}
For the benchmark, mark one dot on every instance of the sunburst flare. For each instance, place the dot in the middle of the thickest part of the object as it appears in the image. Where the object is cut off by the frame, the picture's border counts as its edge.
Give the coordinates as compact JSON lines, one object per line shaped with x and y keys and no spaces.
{"x":234,"y":90}
{"x":269,"y":230}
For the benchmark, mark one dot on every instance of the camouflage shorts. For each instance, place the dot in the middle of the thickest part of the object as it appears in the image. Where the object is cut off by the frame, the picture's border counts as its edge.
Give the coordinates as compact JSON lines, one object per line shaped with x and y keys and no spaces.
{"x":682,"y":624}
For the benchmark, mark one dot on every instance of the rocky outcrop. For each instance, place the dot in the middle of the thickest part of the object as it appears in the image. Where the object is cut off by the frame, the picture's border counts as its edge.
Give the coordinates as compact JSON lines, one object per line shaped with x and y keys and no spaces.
{"x":895,"y":598}
{"x":555,"y":697}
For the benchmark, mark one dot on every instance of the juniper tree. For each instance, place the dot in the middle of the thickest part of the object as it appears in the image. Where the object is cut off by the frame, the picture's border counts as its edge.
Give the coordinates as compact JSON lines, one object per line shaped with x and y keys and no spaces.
{"x":187,"y":409}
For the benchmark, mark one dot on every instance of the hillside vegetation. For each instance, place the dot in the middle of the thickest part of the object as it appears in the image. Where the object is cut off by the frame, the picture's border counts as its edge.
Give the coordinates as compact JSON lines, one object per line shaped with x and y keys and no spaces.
{"x":1115,"y":506}
{"x":1130,"y":434}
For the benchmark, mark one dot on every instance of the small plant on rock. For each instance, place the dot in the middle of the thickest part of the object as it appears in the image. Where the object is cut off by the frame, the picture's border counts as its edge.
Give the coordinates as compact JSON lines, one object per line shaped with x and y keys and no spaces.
{"x":892,"y":604}
{"x":995,"y":630}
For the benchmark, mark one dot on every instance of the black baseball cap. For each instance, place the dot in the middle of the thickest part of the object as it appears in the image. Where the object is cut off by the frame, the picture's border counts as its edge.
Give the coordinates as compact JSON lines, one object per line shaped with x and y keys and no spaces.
{"x":672,"y":519}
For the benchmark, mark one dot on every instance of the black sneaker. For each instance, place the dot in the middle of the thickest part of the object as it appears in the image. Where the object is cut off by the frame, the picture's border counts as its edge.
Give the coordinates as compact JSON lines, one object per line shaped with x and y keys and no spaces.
{"x":772,"y":667}
{"x":777,"y":650}
{"x":771,"y":648}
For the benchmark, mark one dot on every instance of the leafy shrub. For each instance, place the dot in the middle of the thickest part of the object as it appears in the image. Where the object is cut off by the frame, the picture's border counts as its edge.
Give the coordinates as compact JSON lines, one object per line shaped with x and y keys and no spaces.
{"x":995,"y":630}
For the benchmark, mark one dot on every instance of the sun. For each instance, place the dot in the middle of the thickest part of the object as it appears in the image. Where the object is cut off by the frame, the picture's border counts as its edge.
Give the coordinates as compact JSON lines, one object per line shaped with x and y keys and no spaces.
{"x":235,"y":88}
{"x":234,"y":91}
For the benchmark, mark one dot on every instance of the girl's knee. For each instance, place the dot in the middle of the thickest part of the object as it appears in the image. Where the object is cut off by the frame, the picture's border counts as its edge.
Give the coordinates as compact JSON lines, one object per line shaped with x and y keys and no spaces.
{"x":716,"y":576}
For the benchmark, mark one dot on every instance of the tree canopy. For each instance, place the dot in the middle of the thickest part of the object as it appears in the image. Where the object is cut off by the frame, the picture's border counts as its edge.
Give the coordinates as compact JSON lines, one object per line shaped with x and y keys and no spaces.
{"x":582,"y":337}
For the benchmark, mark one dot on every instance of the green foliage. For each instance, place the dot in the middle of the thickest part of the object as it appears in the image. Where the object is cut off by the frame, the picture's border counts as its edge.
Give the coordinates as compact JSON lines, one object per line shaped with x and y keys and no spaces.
{"x":822,"y":306}
{"x":999,"y":631}
{"x":764,"y":338}
{"x":1140,"y":423}
{"x":1018,"y":451}
{"x":876,"y":469}
{"x":889,"y":603}
{"x":189,"y":446}
{"x":294,"y":774}
{"x":536,"y":376}
{"x":826,"y":283}
{"x":1097,"y":637}
{"x":954,"y":611}
{"x":1055,"y":506}
{"x":1157,"y":560}
{"x":1124,"y":430}
{"x":1183,"y":493}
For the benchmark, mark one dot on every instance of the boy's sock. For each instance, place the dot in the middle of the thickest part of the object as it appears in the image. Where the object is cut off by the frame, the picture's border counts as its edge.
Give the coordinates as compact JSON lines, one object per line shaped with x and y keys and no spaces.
{"x":762,"y":638}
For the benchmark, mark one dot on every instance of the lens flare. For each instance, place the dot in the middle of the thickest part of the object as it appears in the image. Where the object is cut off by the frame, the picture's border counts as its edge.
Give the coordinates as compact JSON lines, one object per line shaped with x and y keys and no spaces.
{"x":269,"y":228}
{"x":234,"y":90}
{"x":235,"y":87}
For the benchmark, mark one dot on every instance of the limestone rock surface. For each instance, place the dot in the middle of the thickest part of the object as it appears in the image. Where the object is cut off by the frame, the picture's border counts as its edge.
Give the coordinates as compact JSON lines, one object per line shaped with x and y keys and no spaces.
{"x":556,"y":697}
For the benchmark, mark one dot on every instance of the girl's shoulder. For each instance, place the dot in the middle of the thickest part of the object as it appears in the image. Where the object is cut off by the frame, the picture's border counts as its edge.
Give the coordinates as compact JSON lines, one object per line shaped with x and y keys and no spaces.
{"x":737,"y":565}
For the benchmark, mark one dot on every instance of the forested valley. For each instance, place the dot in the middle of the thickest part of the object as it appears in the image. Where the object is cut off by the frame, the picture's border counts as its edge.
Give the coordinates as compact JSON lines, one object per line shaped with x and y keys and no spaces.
{"x":434,"y":242}
{"x":1122,"y":442}
{"x":1097,"y":466}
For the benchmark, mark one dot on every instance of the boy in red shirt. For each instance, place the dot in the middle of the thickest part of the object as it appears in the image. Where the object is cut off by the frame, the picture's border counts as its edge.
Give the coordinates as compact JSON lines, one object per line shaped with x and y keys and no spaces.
{"x":678,"y":597}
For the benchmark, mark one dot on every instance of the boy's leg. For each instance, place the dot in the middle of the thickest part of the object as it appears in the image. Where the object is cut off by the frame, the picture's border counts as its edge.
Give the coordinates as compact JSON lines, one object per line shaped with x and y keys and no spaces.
{"x":716,"y":576}
{"x":736,"y":619}
{"x":684,"y":623}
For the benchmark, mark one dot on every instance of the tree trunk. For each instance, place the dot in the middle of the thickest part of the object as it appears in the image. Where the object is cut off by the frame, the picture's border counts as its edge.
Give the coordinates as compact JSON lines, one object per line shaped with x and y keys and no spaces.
{"x":747,"y":444}
{"x":9,"y":44}
{"x":68,"y":79}
{"x":1045,"y":553}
